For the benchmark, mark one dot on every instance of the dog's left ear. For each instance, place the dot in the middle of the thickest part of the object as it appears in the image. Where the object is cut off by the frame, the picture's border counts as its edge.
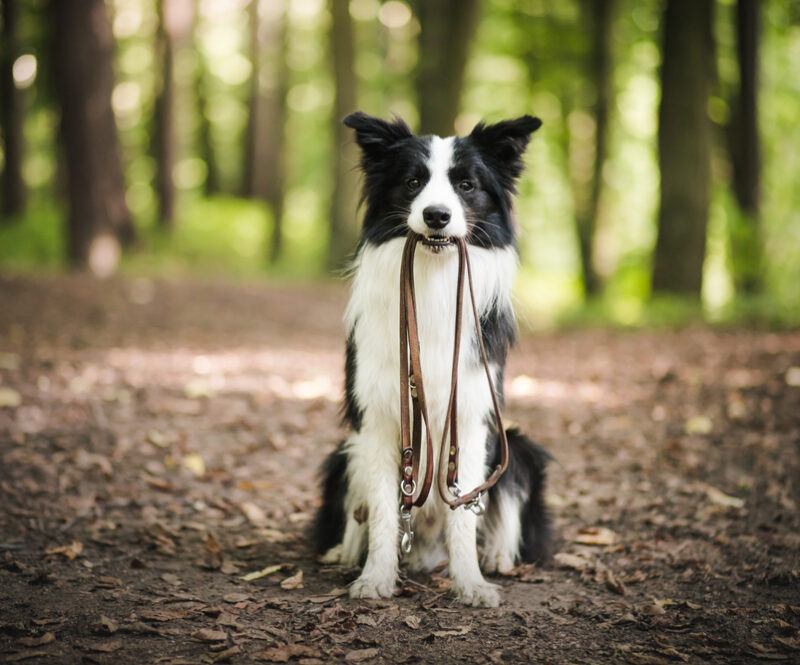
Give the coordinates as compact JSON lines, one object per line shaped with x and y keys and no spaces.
{"x":504,"y":142}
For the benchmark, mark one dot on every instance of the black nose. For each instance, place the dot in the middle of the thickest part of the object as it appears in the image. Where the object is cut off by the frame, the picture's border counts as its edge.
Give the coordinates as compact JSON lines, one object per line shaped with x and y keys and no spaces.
{"x":436,"y":217}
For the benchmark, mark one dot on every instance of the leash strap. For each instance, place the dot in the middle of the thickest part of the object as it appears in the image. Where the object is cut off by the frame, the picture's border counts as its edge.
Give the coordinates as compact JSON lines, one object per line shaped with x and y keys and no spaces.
{"x":411,"y":383}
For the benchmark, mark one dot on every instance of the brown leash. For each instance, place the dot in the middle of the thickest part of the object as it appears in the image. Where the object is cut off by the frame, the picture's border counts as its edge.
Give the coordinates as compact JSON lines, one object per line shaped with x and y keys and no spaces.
{"x":411,"y":383}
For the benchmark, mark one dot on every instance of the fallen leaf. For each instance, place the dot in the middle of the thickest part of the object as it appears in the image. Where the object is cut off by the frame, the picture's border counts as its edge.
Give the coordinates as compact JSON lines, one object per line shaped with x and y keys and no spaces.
{"x":105,"y":625}
{"x":234,"y":598}
{"x":412,"y":621}
{"x":212,"y":557}
{"x":699,"y":425}
{"x":9,"y":397}
{"x":595,"y":535}
{"x":222,"y":656}
{"x":721,"y":499}
{"x":171,"y":578}
{"x":254,"y":514}
{"x":793,"y":377}
{"x":453,"y":632}
{"x":282,"y":654}
{"x":573,"y":561}
{"x":791,"y":643}
{"x":71,"y":551}
{"x":258,"y":574}
{"x":40,"y":641}
{"x":9,"y":360}
{"x":360,"y":655}
{"x":194,"y":463}
{"x":210,"y":635}
{"x":168,"y":614}
{"x":293,"y":582}
{"x":613,"y":583}
{"x":25,"y":655}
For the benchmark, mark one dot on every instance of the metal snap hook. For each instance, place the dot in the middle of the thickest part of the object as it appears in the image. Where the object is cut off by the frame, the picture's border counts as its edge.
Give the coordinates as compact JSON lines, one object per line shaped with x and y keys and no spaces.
{"x":408,"y":534}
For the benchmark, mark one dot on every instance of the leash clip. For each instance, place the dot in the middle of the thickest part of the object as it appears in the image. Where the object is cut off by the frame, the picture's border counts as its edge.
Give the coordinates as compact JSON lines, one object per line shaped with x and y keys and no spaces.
{"x":408,"y":534}
{"x":477,"y":505}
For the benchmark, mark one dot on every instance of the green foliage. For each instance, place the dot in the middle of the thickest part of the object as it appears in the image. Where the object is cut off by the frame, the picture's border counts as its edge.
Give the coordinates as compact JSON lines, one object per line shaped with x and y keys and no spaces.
{"x":528,"y":57}
{"x":33,"y":241}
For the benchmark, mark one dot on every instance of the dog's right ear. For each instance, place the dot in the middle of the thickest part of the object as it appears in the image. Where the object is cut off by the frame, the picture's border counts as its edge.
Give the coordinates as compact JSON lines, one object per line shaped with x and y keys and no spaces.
{"x":374,"y":136}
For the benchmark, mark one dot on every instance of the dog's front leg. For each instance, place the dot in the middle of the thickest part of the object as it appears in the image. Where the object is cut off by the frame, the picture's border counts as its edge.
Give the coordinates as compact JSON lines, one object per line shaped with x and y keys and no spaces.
{"x":465,"y":574}
{"x":375,"y":475}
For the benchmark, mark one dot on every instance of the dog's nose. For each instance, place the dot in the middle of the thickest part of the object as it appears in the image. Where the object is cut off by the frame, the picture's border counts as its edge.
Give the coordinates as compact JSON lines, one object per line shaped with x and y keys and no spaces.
{"x":436,"y":217}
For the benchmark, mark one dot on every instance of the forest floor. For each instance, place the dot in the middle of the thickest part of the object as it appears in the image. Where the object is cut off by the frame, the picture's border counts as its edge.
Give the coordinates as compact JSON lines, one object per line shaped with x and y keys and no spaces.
{"x":160,"y":440}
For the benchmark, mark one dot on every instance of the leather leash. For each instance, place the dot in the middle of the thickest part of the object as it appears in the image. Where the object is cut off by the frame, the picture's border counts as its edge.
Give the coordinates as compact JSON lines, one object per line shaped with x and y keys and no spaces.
{"x":411,"y":383}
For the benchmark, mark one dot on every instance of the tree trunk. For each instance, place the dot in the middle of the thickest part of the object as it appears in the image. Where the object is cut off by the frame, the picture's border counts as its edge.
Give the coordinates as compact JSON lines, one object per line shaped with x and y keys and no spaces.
{"x":205,"y":140}
{"x":164,"y":118}
{"x":600,"y":14}
{"x":447,"y":29}
{"x":11,"y":115}
{"x":83,"y":47}
{"x":745,"y":152}
{"x":251,"y":133}
{"x":684,"y":146}
{"x":344,"y":198}
{"x":272,"y":166}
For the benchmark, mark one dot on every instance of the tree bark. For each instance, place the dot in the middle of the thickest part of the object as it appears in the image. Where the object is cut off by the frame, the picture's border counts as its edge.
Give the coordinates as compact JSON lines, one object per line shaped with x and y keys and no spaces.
{"x":164,"y":119}
{"x":14,"y":193}
{"x":272,"y":168}
{"x":745,"y":150}
{"x":684,"y":147}
{"x":600,"y":14}
{"x":447,"y":29}
{"x":253,"y":130}
{"x":344,"y":198}
{"x":83,"y":47}
{"x":205,"y":140}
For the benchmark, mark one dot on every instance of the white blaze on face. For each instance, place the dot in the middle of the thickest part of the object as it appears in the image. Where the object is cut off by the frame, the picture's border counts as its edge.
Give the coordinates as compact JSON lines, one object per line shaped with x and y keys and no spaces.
{"x":439,"y":192}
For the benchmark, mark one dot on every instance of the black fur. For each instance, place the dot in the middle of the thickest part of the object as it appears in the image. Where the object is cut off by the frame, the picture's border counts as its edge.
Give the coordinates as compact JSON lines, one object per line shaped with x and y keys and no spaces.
{"x":525,"y":474}
{"x":499,"y":332}
{"x":327,"y":530}
{"x":352,"y":413}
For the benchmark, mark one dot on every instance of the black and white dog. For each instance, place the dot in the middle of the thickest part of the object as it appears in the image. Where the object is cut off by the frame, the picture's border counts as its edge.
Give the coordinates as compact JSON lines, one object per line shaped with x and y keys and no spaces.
{"x":437,"y":187}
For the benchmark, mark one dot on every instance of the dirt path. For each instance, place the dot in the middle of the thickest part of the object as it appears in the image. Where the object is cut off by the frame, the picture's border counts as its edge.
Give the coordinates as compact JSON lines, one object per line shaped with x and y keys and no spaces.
{"x":159,"y":441}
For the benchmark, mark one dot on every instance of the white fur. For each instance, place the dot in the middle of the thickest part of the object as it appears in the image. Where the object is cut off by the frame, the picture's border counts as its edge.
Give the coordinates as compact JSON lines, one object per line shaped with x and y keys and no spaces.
{"x":374,"y":452}
{"x":438,"y":191}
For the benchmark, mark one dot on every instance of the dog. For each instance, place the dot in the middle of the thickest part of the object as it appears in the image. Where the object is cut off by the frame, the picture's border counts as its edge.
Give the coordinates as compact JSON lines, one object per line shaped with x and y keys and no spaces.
{"x":439,"y":188}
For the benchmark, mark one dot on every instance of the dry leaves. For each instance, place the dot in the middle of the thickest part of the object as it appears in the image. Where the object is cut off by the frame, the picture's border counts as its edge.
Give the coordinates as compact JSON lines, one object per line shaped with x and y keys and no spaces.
{"x":293,"y":582}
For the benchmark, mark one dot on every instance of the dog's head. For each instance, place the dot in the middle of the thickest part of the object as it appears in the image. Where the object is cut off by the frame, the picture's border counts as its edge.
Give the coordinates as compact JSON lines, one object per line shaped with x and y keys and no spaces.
{"x":440,"y":187}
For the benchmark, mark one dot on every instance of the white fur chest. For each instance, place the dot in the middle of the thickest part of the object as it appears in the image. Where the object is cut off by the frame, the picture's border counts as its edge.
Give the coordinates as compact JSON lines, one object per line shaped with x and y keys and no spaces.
{"x":373,"y":319}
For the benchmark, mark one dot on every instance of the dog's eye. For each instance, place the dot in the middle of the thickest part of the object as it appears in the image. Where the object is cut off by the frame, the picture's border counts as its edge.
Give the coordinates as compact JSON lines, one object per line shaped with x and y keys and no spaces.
{"x":466,"y":186}
{"x":413,"y":184}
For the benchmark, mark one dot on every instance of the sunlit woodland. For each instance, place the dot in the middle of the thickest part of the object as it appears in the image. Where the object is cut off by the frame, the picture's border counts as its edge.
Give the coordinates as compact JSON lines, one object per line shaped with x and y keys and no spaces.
{"x":168,"y":137}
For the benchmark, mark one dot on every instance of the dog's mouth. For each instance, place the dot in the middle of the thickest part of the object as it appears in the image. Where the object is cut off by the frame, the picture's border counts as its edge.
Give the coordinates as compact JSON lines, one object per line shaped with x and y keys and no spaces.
{"x":436,"y":243}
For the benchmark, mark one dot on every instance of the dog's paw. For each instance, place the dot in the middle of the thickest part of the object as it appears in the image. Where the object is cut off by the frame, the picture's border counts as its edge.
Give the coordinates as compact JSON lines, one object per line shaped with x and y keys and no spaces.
{"x":332,"y":556}
{"x":481,"y":594}
{"x":497,"y":562}
{"x":370,"y":587}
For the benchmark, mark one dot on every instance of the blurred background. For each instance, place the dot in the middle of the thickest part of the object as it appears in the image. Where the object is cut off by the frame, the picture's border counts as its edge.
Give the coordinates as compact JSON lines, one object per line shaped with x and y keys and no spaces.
{"x":166,"y":138}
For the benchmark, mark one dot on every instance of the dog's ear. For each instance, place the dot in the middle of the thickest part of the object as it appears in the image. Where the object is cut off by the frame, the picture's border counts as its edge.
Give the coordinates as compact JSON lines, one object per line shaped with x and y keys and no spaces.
{"x":374,"y":136}
{"x":504,"y":143}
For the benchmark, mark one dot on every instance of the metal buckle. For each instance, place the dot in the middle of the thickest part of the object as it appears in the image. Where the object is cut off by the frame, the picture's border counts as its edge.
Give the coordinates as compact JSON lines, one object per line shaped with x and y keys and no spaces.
{"x":412,"y":386}
{"x":411,"y":491}
{"x":408,"y":534}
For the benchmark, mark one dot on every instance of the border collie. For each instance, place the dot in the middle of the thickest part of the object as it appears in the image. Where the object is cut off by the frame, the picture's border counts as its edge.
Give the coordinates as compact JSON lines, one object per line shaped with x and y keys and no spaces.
{"x":439,"y":188}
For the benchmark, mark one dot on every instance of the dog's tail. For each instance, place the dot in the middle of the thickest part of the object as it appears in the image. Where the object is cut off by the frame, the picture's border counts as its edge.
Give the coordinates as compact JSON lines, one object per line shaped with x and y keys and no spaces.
{"x":327,"y":529}
{"x":525,"y":480}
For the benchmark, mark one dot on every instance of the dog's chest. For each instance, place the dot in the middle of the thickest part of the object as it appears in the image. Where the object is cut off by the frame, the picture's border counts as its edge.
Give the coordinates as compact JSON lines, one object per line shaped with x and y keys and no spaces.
{"x":373,"y":319}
